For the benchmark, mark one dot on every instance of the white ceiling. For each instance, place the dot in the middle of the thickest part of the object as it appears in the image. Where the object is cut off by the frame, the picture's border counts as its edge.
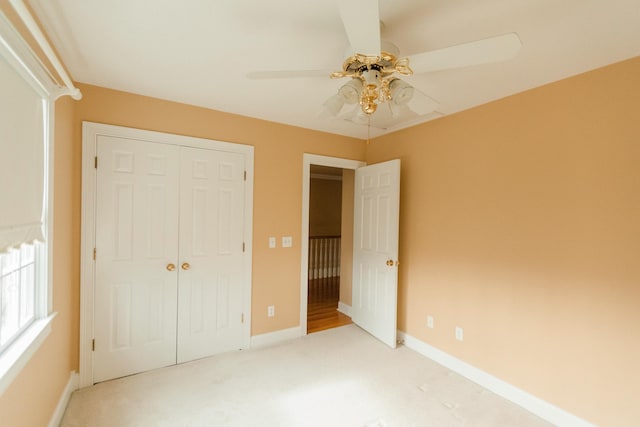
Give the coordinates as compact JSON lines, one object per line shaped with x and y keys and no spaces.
{"x":199,"y":51}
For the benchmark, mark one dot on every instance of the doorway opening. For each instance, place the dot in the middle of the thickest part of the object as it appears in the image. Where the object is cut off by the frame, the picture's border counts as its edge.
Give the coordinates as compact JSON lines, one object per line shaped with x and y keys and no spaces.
{"x":327,"y":225}
{"x":327,"y":242}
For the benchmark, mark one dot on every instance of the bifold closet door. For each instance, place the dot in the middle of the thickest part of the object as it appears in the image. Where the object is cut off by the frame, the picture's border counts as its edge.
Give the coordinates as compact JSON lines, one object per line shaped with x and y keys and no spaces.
{"x":137,"y":248}
{"x":170,"y":253}
{"x":211,"y":253}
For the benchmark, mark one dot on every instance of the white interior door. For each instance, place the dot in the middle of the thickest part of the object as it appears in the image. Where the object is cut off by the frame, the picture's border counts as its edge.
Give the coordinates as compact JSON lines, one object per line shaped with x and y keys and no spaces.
{"x":136,"y":239}
{"x":375,"y":249}
{"x":211,"y":253}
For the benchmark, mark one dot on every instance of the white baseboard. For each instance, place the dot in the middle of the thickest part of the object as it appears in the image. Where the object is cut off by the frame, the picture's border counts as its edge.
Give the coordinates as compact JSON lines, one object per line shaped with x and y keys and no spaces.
{"x":272,"y":338}
{"x":72,"y":385}
{"x":344,"y":308}
{"x":533,"y":404}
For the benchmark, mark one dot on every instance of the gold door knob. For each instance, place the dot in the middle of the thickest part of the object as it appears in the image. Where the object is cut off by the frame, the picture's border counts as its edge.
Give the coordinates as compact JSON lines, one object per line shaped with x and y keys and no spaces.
{"x":390,"y":262}
{"x":185,"y":266}
{"x":171,"y":267}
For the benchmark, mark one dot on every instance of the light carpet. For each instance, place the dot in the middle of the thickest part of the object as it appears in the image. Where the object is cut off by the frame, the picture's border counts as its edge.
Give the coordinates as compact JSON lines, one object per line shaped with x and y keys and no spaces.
{"x":339,"y":377}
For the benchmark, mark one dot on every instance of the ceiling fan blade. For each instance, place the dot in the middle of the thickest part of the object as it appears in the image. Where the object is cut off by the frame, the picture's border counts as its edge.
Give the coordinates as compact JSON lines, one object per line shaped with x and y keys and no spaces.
{"x":493,"y":49}
{"x":287,"y":74}
{"x":361,"y":20}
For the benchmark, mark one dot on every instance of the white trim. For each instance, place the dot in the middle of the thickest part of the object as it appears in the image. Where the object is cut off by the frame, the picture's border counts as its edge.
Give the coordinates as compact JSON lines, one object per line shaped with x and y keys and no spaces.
{"x":344,"y":308}
{"x":14,"y":358}
{"x":72,"y":385}
{"x":531,"y":403}
{"x":273,"y":338}
{"x":307,"y":161}
{"x":248,"y":249}
{"x":85,"y":368}
{"x":90,"y":133}
{"x":19,"y":55}
{"x":47,"y":300}
{"x":35,"y":31}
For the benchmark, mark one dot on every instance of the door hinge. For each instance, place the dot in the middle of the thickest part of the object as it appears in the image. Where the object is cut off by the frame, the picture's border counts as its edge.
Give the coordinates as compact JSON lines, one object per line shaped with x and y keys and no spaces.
{"x":245,"y":175}
{"x":95,"y":162}
{"x":94,"y":254}
{"x":242,"y":246}
{"x":93,"y":345}
{"x":242,"y":318}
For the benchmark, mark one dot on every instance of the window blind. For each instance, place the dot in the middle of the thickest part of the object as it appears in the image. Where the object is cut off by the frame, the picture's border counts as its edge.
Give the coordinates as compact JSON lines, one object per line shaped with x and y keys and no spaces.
{"x":21,"y":159}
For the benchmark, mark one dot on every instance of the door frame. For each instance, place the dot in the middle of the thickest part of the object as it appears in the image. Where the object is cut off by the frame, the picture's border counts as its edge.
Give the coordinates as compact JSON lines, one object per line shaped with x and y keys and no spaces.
{"x":307,"y":161}
{"x":90,"y":133}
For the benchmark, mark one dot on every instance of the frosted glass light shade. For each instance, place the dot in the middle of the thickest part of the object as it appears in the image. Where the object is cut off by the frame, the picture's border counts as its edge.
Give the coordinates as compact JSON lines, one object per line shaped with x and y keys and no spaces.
{"x":334,"y":104}
{"x":401,"y":92}
{"x":351,"y":91}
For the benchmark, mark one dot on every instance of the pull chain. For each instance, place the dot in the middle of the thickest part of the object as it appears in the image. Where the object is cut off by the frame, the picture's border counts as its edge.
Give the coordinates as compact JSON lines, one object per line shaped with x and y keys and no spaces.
{"x":368,"y":128}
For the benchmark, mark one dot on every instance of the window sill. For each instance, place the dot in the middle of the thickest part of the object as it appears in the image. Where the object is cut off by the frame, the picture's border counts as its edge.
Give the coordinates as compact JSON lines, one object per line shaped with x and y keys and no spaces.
{"x":18,"y":354}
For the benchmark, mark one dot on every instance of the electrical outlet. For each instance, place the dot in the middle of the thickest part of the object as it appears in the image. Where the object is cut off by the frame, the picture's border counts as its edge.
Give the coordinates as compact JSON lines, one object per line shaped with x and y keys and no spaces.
{"x":271,"y":310}
{"x":272,"y":242}
{"x":459,"y":333}
{"x":430,"y":322}
{"x":287,"y":241}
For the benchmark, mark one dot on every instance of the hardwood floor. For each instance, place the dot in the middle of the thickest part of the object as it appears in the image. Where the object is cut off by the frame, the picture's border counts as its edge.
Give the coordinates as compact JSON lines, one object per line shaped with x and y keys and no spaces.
{"x":322,"y":308}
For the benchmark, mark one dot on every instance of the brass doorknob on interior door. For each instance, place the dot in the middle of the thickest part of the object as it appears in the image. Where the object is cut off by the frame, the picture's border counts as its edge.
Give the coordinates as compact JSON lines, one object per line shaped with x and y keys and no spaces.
{"x":185,"y":266}
{"x":171,"y":267}
{"x":390,"y":262}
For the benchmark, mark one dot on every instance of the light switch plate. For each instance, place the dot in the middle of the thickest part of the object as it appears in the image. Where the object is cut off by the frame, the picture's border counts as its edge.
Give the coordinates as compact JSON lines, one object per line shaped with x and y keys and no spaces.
{"x":287,"y":241}
{"x":272,"y":242}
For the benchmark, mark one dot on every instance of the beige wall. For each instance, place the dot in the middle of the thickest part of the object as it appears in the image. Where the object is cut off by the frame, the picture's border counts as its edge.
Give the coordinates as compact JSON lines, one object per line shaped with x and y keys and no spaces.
{"x":520,"y":222}
{"x":32,"y":397}
{"x":325,"y":207}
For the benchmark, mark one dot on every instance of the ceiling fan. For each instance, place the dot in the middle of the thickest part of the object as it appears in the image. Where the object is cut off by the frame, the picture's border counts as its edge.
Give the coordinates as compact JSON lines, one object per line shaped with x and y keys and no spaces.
{"x":373,"y":66}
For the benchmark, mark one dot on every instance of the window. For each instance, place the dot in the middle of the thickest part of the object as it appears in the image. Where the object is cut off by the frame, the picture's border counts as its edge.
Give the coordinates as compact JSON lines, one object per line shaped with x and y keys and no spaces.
{"x":17,"y":292}
{"x":24,"y":204}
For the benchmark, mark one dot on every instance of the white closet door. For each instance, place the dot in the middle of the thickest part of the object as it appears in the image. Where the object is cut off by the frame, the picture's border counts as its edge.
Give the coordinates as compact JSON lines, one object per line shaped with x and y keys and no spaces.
{"x":136,"y":239}
{"x":211,"y":253}
{"x":375,"y":250}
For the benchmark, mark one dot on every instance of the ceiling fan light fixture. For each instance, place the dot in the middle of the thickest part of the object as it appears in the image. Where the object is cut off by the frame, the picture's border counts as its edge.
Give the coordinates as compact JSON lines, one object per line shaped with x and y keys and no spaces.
{"x":369,"y":99}
{"x":361,"y":118}
{"x":369,"y":108}
{"x":401,"y":92}
{"x":334,"y":104}
{"x":371,"y":77}
{"x":394,"y":109}
{"x":350,"y":91}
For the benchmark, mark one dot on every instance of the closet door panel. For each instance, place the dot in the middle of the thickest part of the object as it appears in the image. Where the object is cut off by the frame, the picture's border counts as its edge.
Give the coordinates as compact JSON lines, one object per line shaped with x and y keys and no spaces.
{"x":211,"y":253}
{"x":136,"y":238}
